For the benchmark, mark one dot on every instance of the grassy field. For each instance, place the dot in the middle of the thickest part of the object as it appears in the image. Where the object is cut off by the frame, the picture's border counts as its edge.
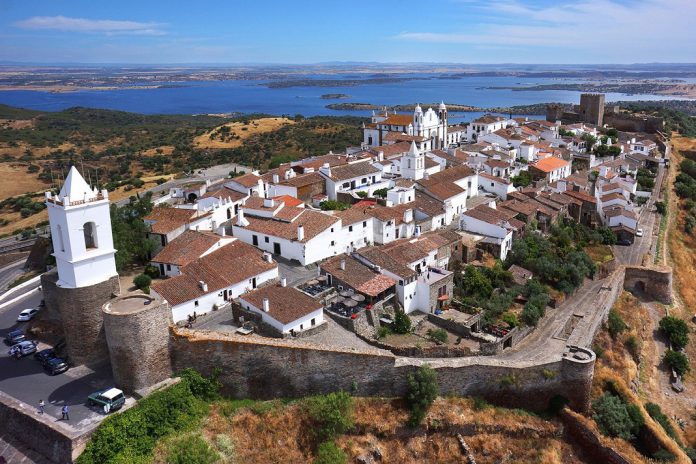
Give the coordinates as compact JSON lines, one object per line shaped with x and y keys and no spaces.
{"x":233,"y":134}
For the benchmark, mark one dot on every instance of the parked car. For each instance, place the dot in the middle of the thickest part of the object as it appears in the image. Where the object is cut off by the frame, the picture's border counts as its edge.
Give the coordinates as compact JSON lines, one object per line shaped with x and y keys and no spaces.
{"x":22,"y":349}
{"x":45,"y":355}
{"x":624,"y":242}
{"x":639,"y":233}
{"x":27,"y":315}
{"x":55,"y":366}
{"x":108,"y":400}
{"x":15,"y":337}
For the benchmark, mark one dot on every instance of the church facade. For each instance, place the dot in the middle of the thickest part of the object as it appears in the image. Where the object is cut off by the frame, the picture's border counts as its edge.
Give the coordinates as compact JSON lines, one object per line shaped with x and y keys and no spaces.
{"x":427,"y":129}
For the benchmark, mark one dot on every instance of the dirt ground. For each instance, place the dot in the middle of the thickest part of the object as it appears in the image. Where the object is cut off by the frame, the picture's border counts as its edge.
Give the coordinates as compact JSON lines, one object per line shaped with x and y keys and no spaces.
{"x":15,"y":180}
{"x":244,"y":131}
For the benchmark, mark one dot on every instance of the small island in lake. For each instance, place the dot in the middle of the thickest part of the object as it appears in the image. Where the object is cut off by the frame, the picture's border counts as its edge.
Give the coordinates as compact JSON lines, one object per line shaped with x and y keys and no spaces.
{"x":334,"y":96}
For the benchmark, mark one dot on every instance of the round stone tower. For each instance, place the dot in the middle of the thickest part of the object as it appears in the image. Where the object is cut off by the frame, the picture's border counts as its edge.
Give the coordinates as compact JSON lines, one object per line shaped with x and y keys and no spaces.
{"x":137,"y":333}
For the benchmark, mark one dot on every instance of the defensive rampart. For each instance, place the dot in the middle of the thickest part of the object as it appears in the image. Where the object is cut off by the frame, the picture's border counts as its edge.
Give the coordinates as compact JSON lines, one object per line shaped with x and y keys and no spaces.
{"x":652,"y":282}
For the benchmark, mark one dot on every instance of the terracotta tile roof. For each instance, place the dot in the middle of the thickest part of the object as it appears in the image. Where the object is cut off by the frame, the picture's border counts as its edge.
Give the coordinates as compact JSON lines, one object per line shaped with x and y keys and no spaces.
{"x":225,"y":193}
{"x":186,"y":248}
{"x":379,"y":258}
{"x":393,"y":149}
{"x":289,"y":200}
{"x":313,"y":222}
{"x":612,"y":186}
{"x":353,"y":215}
{"x":353,"y":170}
{"x":494,"y":163}
{"x":441,"y":191}
{"x":357,"y":275}
{"x":452,"y":174}
{"x":390,"y":213}
{"x":488,"y":119}
{"x":490,"y":215}
{"x":231,"y":264}
{"x":285,"y":304}
{"x":500,"y":180}
{"x":430,"y":163}
{"x":401,"y":137}
{"x":428,"y":205}
{"x":613,"y":212}
{"x":303,"y":180}
{"x":612,"y":196}
{"x":582,"y":196}
{"x":166,"y":220}
{"x":397,"y":120}
{"x":247,"y":180}
{"x":550,"y":164}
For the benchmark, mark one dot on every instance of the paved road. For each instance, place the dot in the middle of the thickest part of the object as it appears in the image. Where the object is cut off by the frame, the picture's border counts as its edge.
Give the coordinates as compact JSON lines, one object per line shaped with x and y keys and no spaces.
{"x":26,"y":381}
{"x":10,"y":273}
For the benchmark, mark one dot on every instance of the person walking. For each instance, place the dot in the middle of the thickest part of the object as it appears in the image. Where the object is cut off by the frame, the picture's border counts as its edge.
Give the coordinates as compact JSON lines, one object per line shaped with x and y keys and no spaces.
{"x":65,"y":412}
{"x":41,"y":406}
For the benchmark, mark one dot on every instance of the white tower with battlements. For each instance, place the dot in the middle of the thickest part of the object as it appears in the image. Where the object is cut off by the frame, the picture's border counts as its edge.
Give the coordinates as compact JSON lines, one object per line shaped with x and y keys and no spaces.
{"x":81,"y":232}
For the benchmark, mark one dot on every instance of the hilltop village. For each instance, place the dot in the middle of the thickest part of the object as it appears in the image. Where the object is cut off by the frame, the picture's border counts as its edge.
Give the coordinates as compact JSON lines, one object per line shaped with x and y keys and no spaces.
{"x":492,"y":251}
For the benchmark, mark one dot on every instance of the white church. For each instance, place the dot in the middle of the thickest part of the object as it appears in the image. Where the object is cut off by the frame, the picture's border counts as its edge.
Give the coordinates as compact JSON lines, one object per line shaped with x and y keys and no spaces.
{"x":80,"y":224}
{"x":428,"y":129}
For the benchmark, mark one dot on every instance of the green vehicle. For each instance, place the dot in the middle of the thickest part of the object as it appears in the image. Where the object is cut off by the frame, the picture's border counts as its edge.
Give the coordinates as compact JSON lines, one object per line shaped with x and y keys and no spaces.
{"x":108,"y":400}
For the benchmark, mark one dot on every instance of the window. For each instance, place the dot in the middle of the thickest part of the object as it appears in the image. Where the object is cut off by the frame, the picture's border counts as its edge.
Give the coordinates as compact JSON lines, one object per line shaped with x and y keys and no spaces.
{"x":255,"y":240}
{"x":265,"y":239}
{"x":332,"y":229}
{"x":301,"y":326}
{"x":195,"y":303}
{"x":346,"y":185}
{"x":401,"y":283}
{"x":61,"y":244}
{"x":364,"y":224}
{"x":333,"y":243}
{"x":350,"y":228}
{"x":314,"y":321}
{"x":90,"y":233}
{"x":169,"y":267}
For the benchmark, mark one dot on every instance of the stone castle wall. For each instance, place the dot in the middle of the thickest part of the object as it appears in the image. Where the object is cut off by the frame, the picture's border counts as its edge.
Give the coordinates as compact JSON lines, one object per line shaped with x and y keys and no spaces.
{"x":653,"y":282}
{"x":138,"y":342}
{"x":81,"y":316}
{"x":267,"y":369}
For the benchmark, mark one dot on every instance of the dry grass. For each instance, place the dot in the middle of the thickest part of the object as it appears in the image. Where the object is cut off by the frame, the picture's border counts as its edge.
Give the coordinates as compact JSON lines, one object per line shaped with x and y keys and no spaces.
{"x":244,"y":131}
{"x":18,"y":222}
{"x":17,"y":181}
{"x":16,"y":124}
{"x":599,"y":253}
{"x":274,"y":432}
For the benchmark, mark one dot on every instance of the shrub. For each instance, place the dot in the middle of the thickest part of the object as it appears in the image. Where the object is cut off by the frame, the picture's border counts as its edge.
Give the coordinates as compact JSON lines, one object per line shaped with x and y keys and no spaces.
{"x":676,"y":330}
{"x":205,"y":388}
{"x":615,"y":324}
{"x":532,"y":313}
{"x":677,"y":361}
{"x":381,"y":193}
{"x":661,"y":418}
{"x":438,"y":335}
{"x":361,"y":194}
{"x":333,"y":205}
{"x":332,"y":414}
{"x":383,"y":331}
{"x":616,"y":418}
{"x":661,"y":207}
{"x":402,"y":323}
{"x":633,"y":347}
{"x":329,"y":453}
{"x":152,"y":271}
{"x":480,"y":404}
{"x":421,"y":393}
{"x":662,"y":455}
{"x":191,"y":450}
{"x":510,"y":319}
{"x":142,"y":281}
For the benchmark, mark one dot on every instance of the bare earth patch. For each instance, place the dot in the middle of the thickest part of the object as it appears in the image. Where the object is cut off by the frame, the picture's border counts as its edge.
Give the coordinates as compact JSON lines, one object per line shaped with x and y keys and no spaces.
{"x":237,"y":132}
{"x":15,"y":180}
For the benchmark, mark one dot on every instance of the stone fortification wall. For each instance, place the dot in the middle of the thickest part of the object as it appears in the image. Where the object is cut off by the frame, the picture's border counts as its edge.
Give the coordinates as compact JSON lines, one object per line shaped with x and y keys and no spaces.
{"x":81,"y":316}
{"x":137,"y":334}
{"x":258,"y":368}
{"x":652,"y":282}
{"x":577,"y":428}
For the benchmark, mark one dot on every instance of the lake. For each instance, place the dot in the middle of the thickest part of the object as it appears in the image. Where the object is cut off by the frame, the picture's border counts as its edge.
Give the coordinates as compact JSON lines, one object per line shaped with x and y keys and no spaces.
{"x":254,"y":97}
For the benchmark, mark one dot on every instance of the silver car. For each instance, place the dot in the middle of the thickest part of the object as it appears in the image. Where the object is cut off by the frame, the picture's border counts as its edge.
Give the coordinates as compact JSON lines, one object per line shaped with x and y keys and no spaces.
{"x":22,"y":349}
{"x":27,"y":314}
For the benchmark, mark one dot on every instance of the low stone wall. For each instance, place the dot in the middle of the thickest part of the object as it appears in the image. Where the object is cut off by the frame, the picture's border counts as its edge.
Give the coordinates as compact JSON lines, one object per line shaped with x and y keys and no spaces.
{"x":451,"y":325}
{"x":508,"y":341}
{"x":275,"y":368}
{"x":44,"y":437}
{"x":654,"y":282}
{"x":577,"y":428}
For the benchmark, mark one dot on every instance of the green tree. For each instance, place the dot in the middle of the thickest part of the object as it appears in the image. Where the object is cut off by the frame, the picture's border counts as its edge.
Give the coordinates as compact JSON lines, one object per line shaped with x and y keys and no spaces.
{"x":475,"y":283}
{"x":678,"y":361}
{"x":661,"y":207}
{"x":615,"y":324}
{"x":523,"y":179}
{"x":329,"y":453}
{"x":143,"y":281}
{"x":332,"y":414}
{"x":129,"y":231}
{"x":380,"y":193}
{"x":333,"y":205}
{"x":616,"y":418}
{"x":676,"y":330}
{"x":402,"y":323}
{"x":438,"y":335}
{"x":421,"y":393}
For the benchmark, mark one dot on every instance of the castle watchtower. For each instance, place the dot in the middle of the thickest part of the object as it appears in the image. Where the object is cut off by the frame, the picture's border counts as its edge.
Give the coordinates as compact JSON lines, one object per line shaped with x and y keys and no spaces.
{"x":592,"y":108}
{"x":86,"y":274}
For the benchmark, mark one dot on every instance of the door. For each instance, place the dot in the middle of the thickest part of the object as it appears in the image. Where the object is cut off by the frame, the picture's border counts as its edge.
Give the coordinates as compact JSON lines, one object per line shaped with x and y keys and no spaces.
{"x":276,"y":248}
{"x":253,"y":283}
{"x":255,"y":240}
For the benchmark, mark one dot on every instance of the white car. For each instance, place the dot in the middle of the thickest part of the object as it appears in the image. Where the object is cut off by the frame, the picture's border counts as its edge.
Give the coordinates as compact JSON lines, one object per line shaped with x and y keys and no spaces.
{"x":27,"y":315}
{"x":639,"y":233}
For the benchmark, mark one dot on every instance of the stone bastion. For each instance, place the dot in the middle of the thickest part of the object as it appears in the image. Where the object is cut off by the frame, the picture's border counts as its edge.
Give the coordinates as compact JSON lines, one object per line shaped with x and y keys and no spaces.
{"x":654,"y":282}
{"x":137,"y":334}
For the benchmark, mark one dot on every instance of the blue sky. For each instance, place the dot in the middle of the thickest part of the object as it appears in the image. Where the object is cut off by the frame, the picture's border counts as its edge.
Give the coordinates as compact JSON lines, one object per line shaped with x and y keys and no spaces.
{"x":299,"y":31}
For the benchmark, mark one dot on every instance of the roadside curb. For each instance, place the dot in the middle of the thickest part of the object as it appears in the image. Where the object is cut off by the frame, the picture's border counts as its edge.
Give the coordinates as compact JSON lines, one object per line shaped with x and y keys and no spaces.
{"x":18,"y":297}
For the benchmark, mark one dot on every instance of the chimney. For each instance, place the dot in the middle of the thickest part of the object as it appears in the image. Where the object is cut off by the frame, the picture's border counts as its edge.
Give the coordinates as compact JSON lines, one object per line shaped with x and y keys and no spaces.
{"x":326,"y":169}
{"x":266,"y":305}
{"x":283,"y":282}
{"x":268,"y":203}
{"x":241,"y":220}
{"x":203,"y":285}
{"x":276,"y":178}
{"x":268,"y":257}
{"x":300,"y":233}
{"x":343,"y":265}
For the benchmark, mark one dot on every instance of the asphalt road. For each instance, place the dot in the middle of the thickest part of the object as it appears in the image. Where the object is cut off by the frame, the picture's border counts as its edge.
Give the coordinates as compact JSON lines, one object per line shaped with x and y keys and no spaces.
{"x":10,"y":273}
{"x":26,"y":380}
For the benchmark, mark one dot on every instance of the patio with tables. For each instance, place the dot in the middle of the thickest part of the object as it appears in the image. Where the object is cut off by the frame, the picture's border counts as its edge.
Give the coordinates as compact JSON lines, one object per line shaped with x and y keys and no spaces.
{"x":348,"y":303}
{"x":316,"y":287}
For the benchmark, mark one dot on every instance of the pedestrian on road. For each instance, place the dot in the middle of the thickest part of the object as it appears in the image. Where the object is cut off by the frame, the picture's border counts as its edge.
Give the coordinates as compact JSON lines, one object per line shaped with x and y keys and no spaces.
{"x":65,"y":413}
{"x":41,"y":406}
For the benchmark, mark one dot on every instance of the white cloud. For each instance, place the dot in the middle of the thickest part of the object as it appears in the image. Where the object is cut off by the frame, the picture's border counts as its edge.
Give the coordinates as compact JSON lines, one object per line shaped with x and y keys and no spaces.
{"x":98,"y":26}
{"x":640,"y":30}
